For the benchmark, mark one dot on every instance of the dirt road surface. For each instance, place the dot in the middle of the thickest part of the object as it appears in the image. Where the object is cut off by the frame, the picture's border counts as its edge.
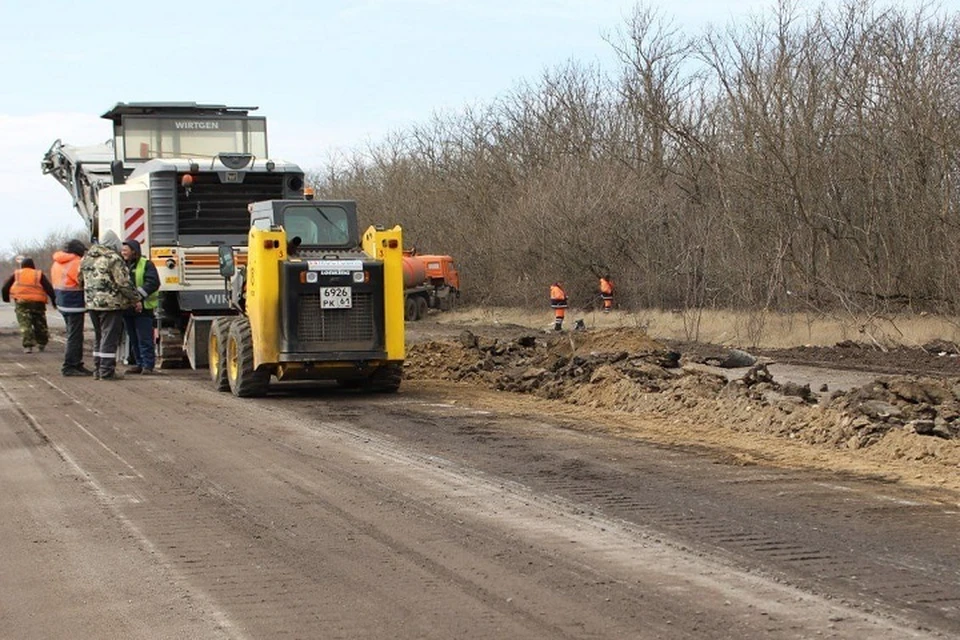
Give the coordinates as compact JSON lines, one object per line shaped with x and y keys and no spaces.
{"x":159,"y":508}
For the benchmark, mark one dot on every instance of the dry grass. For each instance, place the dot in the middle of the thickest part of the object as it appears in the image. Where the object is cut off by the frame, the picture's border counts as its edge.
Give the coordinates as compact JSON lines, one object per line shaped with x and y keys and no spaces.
{"x":735,"y":329}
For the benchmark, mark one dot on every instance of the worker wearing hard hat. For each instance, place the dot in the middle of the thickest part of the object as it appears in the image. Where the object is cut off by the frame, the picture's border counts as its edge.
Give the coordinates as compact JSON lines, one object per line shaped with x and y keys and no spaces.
{"x":606,"y":292}
{"x":31,"y":291}
{"x":558,"y":302}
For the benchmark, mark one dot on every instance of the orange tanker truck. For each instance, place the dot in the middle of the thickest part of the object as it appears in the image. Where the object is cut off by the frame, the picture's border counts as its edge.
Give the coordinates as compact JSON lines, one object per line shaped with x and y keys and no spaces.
{"x":429,"y":282}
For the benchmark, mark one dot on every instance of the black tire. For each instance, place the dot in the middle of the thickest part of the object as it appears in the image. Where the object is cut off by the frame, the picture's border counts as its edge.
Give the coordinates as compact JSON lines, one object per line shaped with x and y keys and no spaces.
{"x":217,"y":353}
{"x":244,"y":380}
{"x":421,"y":307}
{"x":410,"y":309}
{"x":385,"y":379}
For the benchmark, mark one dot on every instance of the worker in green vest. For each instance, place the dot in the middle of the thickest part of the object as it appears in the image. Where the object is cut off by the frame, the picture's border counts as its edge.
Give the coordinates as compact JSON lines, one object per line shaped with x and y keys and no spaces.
{"x":139,"y":320}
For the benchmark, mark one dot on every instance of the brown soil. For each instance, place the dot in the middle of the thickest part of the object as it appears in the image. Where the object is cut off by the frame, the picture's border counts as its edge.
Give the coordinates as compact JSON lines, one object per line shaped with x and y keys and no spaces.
{"x":899,"y":427}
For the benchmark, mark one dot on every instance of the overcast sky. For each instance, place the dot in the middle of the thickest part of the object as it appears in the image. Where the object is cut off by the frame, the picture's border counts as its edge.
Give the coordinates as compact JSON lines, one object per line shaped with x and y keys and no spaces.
{"x":327,"y":75}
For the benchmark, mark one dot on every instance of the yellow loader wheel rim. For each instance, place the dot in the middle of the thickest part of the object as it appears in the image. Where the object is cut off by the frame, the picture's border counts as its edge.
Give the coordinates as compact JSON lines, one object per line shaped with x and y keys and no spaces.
{"x":217,"y":353}
{"x":233,"y":362}
{"x":213,"y":355}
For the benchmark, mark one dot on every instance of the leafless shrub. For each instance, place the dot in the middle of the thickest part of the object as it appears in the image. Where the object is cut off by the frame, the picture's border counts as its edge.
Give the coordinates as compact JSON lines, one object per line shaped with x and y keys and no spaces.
{"x":40,"y":250}
{"x":802,"y":161}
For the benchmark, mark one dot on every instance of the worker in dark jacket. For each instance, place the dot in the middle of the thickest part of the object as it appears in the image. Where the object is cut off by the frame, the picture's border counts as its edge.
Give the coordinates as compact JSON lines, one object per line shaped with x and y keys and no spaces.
{"x":30,"y":290}
{"x":107,"y":291}
{"x":558,"y":301}
{"x":65,"y":274}
{"x":139,"y":320}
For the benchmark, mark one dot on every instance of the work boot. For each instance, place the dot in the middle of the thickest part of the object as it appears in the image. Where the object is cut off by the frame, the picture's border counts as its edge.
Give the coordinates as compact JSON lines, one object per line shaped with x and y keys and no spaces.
{"x":83,"y":369}
{"x":134,"y":369}
{"x":72,"y":373}
{"x":148,"y":372}
{"x":28,"y":349}
{"x":111,"y":375}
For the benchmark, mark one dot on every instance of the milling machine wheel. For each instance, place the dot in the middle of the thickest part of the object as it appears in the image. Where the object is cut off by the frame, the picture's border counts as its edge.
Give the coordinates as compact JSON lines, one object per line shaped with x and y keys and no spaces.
{"x":244,"y":380}
{"x":217,"y":352}
{"x":385,"y":379}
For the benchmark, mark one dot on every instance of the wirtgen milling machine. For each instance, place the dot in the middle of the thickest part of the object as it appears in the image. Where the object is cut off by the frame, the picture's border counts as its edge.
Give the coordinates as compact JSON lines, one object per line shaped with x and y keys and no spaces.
{"x":315,"y":301}
{"x":177,"y":177}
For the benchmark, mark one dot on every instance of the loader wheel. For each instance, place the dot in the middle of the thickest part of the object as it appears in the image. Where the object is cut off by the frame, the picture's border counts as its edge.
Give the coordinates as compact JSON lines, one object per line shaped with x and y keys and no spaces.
{"x":385,"y":379}
{"x":217,"y":353}
{"x":410,"y":309}
{"x":244,"y":380}
{"x":421,"y":308}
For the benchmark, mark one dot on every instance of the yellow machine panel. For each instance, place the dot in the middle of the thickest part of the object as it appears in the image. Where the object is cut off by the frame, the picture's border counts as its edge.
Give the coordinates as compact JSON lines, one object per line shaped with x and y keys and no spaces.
{"x":387,"y":245}
{"x":265,"y":251}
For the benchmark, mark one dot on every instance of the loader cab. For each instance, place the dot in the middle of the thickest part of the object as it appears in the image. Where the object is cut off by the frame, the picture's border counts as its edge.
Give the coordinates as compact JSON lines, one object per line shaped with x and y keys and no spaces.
{"x":310,"y":224}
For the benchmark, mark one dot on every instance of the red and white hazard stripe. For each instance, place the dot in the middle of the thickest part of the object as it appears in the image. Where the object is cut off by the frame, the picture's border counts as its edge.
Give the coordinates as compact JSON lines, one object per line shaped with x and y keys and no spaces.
{"x":135,"y":224}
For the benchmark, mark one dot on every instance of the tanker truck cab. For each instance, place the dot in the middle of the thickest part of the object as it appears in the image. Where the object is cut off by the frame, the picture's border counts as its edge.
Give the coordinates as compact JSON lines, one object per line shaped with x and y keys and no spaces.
{"x":317,"y":301}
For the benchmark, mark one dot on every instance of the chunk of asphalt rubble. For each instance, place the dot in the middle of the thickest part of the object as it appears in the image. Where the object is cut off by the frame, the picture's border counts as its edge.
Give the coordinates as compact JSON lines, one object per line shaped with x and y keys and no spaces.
{"x":468,"y":339}
{"x":880,"y":410}
{"x":735,"y":359}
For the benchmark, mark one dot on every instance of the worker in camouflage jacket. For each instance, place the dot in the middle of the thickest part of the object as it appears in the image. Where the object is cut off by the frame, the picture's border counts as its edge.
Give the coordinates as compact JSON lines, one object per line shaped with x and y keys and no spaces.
{"x":107,"y":291}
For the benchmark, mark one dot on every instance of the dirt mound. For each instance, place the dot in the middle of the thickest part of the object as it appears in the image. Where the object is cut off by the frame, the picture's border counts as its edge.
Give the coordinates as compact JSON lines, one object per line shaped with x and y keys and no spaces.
{"x":898,"y":419}
{"x":632,"y":341}
{"x":545,"y":363}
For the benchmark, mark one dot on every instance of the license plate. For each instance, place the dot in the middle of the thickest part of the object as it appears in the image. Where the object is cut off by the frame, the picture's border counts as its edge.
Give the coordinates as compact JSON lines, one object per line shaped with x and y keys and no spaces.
{"x":336,"y":298}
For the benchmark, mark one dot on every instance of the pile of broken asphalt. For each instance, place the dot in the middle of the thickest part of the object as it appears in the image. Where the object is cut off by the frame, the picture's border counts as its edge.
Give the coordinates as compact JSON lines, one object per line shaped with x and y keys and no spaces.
{"x":901,"y":417}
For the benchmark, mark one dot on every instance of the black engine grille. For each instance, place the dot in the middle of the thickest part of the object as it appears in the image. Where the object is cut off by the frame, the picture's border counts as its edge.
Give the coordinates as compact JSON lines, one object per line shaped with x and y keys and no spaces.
{"x":213,"y":207}
{"x":318,"y":328}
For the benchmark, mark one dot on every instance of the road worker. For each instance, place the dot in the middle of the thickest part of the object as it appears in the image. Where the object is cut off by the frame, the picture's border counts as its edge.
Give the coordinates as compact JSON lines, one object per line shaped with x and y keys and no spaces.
{"x":606,"y":292}
{"x":65,"y":274}
{"x":107,"y":291}
{"x":139,"y":320}
{"x":30,"y":290}
{"x":558,"y":302}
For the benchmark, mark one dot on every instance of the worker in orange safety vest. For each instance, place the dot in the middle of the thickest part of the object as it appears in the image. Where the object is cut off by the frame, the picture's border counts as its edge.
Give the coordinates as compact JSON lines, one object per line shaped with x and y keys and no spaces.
{"x":30,"y":290}
{"x":558,"y":302}
{"x":65,"y":273}
{"x":606,"y":292}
